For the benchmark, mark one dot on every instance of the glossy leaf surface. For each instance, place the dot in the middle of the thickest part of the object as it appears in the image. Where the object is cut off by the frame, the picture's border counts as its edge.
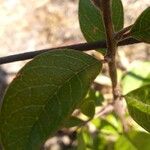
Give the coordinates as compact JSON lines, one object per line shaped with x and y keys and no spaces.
{"x":138,"y":102}
{"x":141,"y":28}
{"x":43,"y":95}
{"x":91,"y":22}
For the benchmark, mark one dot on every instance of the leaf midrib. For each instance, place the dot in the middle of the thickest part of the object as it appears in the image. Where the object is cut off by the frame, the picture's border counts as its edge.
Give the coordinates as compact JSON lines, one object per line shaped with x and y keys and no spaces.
{"x":137,"y":104}
{"x":84,"y":68}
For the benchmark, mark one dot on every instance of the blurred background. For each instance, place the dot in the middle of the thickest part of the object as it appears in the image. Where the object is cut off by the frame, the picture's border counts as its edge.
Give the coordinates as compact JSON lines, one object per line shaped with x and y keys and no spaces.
{"x":27,"y":25}
{"x":36,"y":24}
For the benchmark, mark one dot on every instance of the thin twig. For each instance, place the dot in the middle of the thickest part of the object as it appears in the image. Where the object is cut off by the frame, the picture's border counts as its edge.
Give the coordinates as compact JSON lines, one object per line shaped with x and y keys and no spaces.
{"x":119,"y":35}
{"x":126,"y":35}
{"x":79,"y":47}
{"x":105,"y":110}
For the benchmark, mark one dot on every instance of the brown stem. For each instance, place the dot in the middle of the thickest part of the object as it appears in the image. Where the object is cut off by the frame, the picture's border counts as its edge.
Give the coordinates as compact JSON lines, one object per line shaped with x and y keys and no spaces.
{"x":111,"y":45}
{"x":107,"y":18}
{"x":111,"y":55}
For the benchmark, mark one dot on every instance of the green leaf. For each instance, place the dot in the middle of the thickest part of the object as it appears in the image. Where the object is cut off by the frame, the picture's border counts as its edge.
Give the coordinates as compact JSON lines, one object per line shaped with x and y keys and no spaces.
{"x":93,"y":99}
{"x":141,"y":28}
{"x":117,"y":14}
{"x":85,"y":140}
{"x":100,"y":142}
{"x":96,"y":96}
{"x":138,"y":102}
{"x":108,"y":125}
{"x":43,"y":95}
{"x":72,"y":122}
{"x":81,"y":143}
{"x":138,"y":74}
{"x":133,"y":141}
{"x":91,"y":22}
{"x":88,"y":108}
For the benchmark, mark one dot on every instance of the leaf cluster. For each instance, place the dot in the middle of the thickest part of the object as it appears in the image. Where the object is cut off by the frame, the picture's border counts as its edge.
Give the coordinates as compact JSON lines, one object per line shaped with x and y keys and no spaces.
{"x":47,"y":90}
